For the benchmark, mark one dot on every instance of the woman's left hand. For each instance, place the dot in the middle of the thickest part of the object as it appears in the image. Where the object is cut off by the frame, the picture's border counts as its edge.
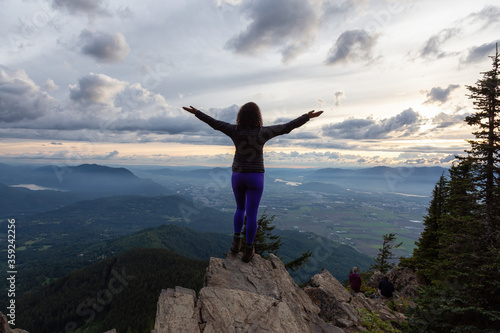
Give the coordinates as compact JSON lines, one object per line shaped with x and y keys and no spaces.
{"x":190,"y":109}
{"x":314,"y":114}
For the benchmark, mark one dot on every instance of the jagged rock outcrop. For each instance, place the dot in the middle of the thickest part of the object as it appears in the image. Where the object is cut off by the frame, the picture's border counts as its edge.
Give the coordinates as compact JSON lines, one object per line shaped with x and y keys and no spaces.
{"x":237,"y":297}
{"x":404,"y":279}
{"x":341,"y":307}
{"x":177,"y":311}
{"x":262,"y":297}
{"x":375,"y":279}
{"x":335,"y":302}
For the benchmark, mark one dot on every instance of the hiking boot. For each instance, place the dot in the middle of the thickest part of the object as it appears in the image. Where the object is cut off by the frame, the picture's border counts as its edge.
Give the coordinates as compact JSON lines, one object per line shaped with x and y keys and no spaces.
{"x":235,"y":248}
{"x":248,"y":253}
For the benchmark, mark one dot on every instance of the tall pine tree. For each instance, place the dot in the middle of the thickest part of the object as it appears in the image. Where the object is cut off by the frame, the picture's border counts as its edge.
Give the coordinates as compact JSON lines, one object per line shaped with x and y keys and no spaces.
{"x":426,"y":253}
{"x":485,"y":148}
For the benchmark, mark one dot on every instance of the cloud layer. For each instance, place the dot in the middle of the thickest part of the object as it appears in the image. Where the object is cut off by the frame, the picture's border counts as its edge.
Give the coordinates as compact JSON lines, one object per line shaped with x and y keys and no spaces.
{"x":119,"y":72}
{"x":352,"y":46}
{"x":438,"y":95}
{"x":104,"y":47}
{"x":21,"y":98}
{"x":289,"y":25}
{"x":403,"y":124}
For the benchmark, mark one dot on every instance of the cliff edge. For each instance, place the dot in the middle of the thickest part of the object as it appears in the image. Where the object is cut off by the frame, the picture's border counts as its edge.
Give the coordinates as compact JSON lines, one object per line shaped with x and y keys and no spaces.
{"x":261,"y":296}
{"x":237,"y":297}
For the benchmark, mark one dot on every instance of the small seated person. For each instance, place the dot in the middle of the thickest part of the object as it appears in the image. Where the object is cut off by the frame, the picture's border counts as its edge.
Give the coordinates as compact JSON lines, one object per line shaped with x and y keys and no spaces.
{"x":385,"y":287}
{"x":355,"y":280}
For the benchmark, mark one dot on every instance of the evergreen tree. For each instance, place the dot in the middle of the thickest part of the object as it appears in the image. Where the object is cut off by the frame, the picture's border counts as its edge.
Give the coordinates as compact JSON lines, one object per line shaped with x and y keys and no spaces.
{"x":426,"y":253}
{"x":461,"y":229}
{"x":382,"y":261}
{"x":462,"y":267}
{"x":265,"y":243}
{"x":485,"y":148}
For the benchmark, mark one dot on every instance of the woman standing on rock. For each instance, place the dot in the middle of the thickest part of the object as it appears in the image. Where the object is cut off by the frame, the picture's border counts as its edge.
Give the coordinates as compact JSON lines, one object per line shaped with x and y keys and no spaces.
{"x":249,"y":137}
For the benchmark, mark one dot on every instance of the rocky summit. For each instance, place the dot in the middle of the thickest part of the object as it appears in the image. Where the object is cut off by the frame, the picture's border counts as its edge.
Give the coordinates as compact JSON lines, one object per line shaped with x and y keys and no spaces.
{"x":261,"y":296}
{"x":237,"y":297}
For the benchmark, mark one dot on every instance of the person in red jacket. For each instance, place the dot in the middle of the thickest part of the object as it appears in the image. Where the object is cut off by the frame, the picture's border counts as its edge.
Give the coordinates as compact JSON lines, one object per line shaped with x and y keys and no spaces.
{"x":355,"y":280}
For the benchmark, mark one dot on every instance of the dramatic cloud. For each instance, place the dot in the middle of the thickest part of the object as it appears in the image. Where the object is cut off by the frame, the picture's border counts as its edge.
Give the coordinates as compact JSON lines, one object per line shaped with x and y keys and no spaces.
{"x":21,"y":98}
{"x":403,"y":124}
{"x":433,"y":46}
{"x":90,"y":7}
{"x":480,"y":53}
{"x":104,"y":47}
{"x":137,"y":100}
{"x":148,"y":59}
{"x":488,"y":15}
{"x":352,"y":46}
{"x":443,"y":120}
{"x":438,"y":95}
{"x":227,"y":114}
{"x":289,"y":25}
{"x":96,"y":89}
{"x":96,"y":103}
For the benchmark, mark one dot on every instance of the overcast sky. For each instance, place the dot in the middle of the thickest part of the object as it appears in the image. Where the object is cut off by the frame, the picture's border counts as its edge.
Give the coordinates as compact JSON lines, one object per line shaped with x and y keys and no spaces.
{"x":104,"y":81}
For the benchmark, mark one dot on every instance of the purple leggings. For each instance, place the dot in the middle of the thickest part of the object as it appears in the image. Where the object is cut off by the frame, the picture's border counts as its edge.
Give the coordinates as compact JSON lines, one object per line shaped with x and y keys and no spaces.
{"x":247,"y":189}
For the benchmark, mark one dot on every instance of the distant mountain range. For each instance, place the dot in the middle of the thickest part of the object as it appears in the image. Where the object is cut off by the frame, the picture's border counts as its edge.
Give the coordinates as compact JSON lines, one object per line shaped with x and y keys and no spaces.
{"x":410,"y":180}
{"x":86,"y":178}
{"x":68,"y":185}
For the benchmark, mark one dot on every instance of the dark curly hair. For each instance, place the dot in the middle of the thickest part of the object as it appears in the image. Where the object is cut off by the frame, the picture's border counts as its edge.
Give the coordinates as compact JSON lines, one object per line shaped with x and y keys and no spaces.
{"x":249,"y":116}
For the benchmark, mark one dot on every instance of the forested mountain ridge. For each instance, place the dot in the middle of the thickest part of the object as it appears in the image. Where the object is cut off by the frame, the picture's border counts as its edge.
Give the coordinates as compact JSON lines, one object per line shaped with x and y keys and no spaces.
{"x":51,"y":244}
{"x":45,"y":258}
{"x":120,"y":292}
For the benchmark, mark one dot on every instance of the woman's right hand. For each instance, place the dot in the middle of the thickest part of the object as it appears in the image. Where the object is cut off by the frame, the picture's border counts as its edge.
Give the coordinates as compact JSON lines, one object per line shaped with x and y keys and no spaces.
{"x":190,"y":109}
{"x":313,"y":114}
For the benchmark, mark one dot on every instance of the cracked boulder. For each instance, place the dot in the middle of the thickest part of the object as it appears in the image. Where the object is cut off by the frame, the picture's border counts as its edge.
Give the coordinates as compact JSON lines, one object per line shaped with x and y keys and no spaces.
{"x":238,"y":297}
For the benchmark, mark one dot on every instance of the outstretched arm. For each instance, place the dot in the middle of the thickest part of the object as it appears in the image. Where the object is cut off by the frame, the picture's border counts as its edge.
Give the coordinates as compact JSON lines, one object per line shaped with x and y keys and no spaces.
{"x":190,"y":109}
{"x":218,"y":125}
{"x":272,"y":131}
{"x":314,"y":114}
